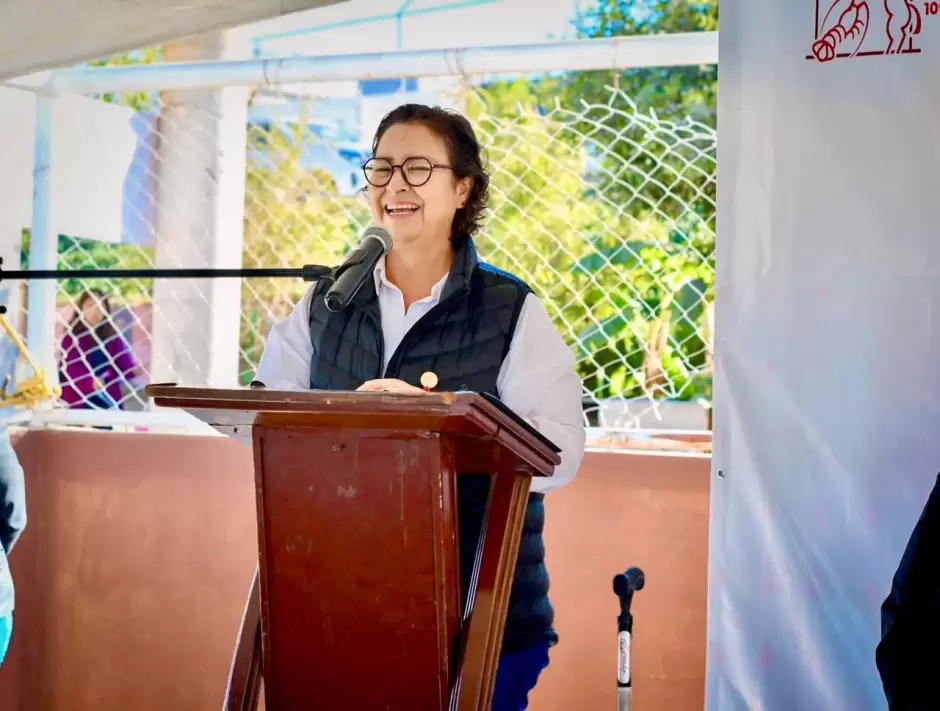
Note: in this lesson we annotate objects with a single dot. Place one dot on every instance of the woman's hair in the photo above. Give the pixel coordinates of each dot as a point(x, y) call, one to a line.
point(465, 157)
point(104, 331)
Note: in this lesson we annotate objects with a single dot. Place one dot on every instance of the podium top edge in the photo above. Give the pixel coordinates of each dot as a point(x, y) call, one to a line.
point(489, 415)
point(265, 398)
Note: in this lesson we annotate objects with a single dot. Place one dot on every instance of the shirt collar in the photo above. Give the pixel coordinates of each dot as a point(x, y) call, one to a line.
point(465, 263)
point(382, 282)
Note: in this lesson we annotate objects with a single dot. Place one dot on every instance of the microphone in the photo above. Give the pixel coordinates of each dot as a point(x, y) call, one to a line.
point(352, 274)
point(628, 583)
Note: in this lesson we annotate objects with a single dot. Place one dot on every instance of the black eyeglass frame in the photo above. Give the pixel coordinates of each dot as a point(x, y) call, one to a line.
point(401, 167)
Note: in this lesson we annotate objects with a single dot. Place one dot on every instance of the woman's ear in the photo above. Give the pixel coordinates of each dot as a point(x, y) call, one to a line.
point(464, 186)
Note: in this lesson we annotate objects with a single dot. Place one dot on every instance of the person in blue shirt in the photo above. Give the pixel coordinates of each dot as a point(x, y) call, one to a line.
point(12, 523)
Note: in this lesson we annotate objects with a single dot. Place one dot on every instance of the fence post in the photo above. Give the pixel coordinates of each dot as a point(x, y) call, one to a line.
point(200, 196)
point(43, 246)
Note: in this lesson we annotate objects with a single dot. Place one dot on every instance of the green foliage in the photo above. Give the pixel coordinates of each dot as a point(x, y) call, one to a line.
point(674, 93)
point(655, 279)
point(658, 170)
point(625, 264)
point(293, 216)
point(137, 100)
point(75, 253)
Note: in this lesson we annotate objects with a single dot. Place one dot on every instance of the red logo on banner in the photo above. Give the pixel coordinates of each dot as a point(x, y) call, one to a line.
point(866, 28)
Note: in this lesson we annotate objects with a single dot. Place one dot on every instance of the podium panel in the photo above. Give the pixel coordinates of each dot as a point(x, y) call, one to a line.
point(361, 599)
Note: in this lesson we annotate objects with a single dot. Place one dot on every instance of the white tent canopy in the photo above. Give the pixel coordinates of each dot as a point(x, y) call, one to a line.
point(44, 34)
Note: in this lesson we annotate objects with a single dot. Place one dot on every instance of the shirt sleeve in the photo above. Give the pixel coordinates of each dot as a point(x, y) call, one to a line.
point(538, 381)
point(76, 368)
point(285, 361)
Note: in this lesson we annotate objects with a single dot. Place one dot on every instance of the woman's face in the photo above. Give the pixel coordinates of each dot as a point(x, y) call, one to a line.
point(92, 310)
point(413, 213)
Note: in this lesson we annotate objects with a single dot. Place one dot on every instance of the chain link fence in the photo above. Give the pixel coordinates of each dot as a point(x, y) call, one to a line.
point(607, 211)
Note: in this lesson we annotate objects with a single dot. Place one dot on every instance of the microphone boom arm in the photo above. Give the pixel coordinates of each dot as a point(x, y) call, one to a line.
point(308, 272)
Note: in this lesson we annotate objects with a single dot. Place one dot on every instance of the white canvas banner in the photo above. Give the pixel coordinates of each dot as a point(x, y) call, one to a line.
point(827, 390)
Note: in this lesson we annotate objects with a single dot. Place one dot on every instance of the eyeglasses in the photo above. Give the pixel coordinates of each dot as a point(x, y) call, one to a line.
point(415, 171)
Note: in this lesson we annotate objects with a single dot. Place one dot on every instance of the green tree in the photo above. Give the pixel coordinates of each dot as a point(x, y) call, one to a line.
point(537, 215)
point(626, 285)
point(77, 253)
point(293, 216)
point(137, 100)
point(652, 133)
point(674, 93)
point(651, 165)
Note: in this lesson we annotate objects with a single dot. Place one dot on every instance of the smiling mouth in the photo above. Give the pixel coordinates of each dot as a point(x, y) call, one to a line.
point(401, 209)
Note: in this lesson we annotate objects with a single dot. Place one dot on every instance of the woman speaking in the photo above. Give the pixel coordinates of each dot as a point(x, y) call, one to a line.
point(434, 306)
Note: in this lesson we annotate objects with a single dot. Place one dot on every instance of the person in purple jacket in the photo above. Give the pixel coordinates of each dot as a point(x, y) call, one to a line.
point(96, 358)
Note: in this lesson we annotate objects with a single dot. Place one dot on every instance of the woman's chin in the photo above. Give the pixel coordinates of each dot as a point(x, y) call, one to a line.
point(403, 234)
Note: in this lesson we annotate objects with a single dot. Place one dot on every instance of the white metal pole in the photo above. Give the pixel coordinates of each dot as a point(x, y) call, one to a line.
point(667, 50)
point(43, 247)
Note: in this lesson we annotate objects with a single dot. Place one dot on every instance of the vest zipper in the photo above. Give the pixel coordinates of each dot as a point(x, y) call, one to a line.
point(392, 370)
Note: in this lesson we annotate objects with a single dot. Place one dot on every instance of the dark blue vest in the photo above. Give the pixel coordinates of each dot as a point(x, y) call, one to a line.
point(463, 340)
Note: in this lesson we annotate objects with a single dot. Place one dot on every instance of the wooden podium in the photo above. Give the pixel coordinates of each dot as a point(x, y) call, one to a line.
point(356, 600)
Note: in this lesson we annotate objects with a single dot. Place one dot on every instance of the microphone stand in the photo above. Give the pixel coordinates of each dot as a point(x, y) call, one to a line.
point(308, 272)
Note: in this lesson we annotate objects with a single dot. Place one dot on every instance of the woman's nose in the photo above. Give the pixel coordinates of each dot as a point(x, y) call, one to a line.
point(398, 183)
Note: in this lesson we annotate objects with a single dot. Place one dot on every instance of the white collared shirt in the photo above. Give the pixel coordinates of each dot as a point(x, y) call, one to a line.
point(537, 380)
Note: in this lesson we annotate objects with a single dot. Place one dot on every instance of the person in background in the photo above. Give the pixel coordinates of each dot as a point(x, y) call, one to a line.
point(97, 359)
point(434, 306)
point(12, 523)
